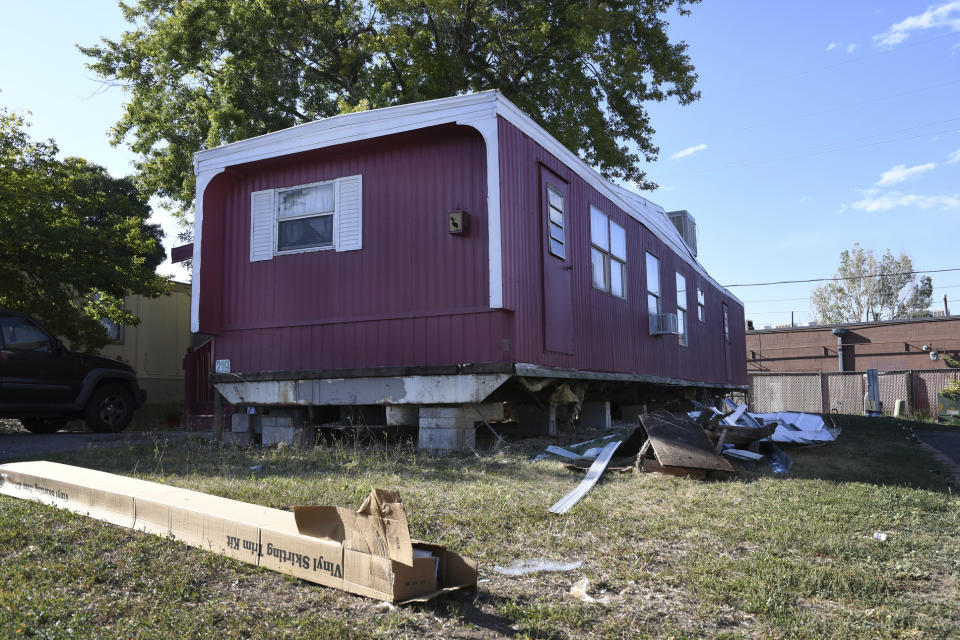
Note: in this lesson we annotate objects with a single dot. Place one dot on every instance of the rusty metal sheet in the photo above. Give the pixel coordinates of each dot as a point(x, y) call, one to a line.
point(680, 442)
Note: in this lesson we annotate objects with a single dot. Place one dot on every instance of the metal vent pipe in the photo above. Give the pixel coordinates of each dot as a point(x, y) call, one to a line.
point(840, 332)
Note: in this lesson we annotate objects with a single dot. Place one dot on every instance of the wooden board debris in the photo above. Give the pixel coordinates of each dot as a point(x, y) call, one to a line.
point(652, 466)
point(680, 442)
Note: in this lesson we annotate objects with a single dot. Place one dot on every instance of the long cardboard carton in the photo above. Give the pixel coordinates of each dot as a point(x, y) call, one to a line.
point(368, 552)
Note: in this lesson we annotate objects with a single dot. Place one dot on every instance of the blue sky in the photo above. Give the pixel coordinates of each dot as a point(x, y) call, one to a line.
point(821, 124)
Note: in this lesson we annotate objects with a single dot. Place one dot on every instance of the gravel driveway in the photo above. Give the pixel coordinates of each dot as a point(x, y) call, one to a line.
point(18, 444)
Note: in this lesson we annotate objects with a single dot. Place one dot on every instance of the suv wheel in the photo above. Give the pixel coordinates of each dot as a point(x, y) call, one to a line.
point(43, 425)
point(109, 410)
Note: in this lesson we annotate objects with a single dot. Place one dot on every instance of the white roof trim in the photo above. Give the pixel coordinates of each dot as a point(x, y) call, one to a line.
point(478, 110)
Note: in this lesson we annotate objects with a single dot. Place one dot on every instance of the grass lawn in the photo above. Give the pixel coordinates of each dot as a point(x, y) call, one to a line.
point(757, 556)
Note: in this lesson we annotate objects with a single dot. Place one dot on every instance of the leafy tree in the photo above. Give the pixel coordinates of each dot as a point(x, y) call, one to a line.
point(75, 240)
point(869, 289)
point(208, 72)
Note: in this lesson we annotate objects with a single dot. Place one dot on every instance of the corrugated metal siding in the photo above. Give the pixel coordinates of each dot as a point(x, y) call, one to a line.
point(328, 309)
point(610, 334)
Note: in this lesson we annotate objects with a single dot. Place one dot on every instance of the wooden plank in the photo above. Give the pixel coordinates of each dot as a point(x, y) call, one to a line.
point(593, 475)
point(680, 442)
point(652, 466)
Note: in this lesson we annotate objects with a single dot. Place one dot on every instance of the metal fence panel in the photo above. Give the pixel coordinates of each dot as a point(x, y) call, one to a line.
point(785, 392)
point(837, 392)
point(894, 385)
point(926, 385)
point(844, 392)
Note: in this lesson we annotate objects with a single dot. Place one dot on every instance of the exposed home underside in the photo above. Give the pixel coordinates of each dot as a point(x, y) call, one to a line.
point(447, 402)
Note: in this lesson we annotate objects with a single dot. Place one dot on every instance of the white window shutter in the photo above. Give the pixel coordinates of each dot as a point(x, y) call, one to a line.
point(348, 223)
point(261, 225)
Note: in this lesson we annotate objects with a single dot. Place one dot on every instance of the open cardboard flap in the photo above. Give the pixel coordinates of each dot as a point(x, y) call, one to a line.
point(379, 527)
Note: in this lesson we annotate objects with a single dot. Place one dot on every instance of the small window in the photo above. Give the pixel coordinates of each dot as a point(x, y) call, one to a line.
point(20, 334)
point(701, 307)
point(556, 223)
point(608, 254)
point(305, 217)
point(653, 285)
point(682, 309)
point(726, 323)
point(114, 330)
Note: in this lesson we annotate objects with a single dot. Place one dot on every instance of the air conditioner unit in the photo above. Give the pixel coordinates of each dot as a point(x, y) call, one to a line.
point(687, 226)
point(663, 323)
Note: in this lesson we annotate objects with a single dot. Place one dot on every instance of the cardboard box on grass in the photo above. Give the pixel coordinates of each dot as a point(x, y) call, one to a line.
point(368, 552)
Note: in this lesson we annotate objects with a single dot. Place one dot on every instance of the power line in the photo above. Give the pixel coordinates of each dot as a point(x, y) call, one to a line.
point(935, 287)
point(776, 300)
point(801, 154)
point(848, 105)
point(846, 62)
point(834, 279)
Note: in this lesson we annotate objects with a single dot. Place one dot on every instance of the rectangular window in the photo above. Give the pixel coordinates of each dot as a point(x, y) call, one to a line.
point(653, 285)
point(557, 234)
point(608, 254)
point(114, 330)
point(726, 323)
point(682, 309)
point(20, 334)
point(701, 307)
point(305, 217)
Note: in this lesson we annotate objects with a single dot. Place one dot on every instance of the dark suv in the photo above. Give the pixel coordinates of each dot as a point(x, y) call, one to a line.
point(44, 385)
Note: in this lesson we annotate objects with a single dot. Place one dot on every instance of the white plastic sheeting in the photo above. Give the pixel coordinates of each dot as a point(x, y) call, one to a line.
point(798, 428)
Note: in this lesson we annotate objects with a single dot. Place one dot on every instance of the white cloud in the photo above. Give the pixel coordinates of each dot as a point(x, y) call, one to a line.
point(942, 15)
point(902, 172)
point(689, 151)
point(894, 199)
point(832, 45)
point(851, 47)
point(954, 157)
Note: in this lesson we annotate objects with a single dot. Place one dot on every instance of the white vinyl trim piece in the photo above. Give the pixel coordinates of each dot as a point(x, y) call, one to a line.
point(490, 130)
point(596, 470)
point(203, 179)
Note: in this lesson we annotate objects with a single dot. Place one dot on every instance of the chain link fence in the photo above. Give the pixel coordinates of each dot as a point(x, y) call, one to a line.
point(843, 392)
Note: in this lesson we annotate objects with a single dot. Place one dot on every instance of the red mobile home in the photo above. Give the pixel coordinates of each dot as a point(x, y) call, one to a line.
point(449, 252)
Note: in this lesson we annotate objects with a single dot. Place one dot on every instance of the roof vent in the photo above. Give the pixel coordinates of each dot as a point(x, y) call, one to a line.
point(686, 226)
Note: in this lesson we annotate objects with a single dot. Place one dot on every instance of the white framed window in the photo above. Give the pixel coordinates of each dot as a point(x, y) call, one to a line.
point(608, 254)
point(114, 330)
point(306, 217)
point(557, 225)
point(701, 306)
point(653, 284)
point(726, 322)
point(682, 310)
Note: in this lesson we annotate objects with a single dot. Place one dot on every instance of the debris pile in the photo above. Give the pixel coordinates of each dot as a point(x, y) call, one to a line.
point(738, 426)
point(696, 444)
